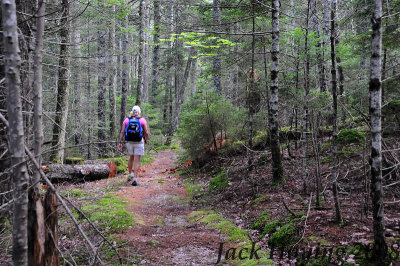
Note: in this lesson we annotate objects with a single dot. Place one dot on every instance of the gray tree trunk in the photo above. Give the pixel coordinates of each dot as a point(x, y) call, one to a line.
point(339, 218)
point(76, 79)
point(58, 142)
point(12, 64)
point(36, 233)
point(320, 59)
point(142, 88)
point(155, 76)
point(278, 174)
point(112, 84)
point(375, 102)
point(101, 89)
point(217, 58)
point(124, 74)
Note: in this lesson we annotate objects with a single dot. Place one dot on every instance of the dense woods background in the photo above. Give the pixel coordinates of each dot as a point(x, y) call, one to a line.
point(282, 77)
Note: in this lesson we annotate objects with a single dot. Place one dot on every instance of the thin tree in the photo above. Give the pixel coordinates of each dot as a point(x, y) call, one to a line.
point(375, 102)
point(155, 76)
point(12, 64)
point(338, 213)
point(58, 141)
point(124, 74)
point(101, 88)
point(278, 174)
point(112, 83)
point(36, 233)
point(217, 58)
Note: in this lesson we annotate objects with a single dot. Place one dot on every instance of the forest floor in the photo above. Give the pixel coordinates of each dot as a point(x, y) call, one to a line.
point(162, 234)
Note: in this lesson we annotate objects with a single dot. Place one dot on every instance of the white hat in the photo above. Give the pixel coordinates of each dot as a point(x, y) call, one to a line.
point(136, 109)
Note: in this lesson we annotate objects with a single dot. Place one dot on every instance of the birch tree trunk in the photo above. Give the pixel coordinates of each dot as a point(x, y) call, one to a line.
point(339, 218)
point(278, 174)
point(101, 89)
point(217, 58)
point(375, 102)
point(12, 64)
point(36, 233)
point(58, 142)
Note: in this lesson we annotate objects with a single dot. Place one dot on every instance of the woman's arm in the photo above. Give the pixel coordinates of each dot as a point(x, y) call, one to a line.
point(146, 133)
point(121, 135)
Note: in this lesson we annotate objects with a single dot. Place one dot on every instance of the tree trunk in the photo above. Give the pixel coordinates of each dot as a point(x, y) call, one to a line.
point(304, 133)
point(58, 142)
point(77, 88)
point(217, 58)
point(375, 98)
point(51, 203)
point(36, 233)
point(155, 76)
point(12, 64)
point(278, 174)
point(339, 218)
point(79, 173)
point(143, 62)
point(112, 84)
point(101, 90)
point(124, 85)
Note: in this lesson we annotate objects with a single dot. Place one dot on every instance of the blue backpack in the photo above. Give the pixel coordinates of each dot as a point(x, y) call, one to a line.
point(133, 130)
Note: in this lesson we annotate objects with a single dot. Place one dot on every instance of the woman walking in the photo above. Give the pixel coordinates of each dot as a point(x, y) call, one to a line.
point(136, 134)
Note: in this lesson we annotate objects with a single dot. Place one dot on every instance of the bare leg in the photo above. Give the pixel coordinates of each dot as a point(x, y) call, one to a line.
point(130, 163)
point(136, 165)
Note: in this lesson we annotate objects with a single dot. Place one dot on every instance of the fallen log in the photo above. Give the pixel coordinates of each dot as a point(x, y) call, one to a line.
point(80, 173)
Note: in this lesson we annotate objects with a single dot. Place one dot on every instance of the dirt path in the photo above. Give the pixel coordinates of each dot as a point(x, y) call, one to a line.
point(162, 234)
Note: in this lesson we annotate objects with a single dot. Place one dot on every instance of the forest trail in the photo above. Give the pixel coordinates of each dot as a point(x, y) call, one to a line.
point(160, 205)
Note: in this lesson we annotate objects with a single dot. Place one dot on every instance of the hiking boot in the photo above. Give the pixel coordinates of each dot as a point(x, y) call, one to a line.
point(134, 182)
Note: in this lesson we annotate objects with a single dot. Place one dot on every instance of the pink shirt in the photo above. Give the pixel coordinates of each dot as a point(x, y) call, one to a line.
point(142, 121)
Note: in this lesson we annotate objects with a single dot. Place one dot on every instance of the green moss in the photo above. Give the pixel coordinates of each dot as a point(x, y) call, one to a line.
point(284, 236)
point(121, 162)
point(74, 192)
point(192, 188)
point(347, 136)
point(229, 149)
point(219, 182)
point(261, 221)
point(74, 160)
point(260, 139)
point(110, 213)
point(270, 227)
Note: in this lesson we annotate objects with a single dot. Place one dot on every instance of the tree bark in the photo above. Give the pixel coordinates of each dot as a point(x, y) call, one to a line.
point(58, 142)
point(155, 77)
point(339, 218)
point(217, 58)
point(51, 203)
point(142, 87)
point(112, 84)
point(101, 90)
point(277, 170)
point(36, 233)
point(375, 104)
point(12, 65)
point(124, 85)
point(79, 173)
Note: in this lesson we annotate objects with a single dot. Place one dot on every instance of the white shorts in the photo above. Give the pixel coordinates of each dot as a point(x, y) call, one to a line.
point(135, 148)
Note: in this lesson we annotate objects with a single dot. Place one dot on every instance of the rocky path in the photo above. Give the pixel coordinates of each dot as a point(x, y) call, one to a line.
point(162, 235)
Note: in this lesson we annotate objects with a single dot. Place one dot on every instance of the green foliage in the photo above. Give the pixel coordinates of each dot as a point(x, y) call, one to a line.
point(205, 115)
point(347, 136)
point(261, 221)
point(110, 213)
point(192, 188)
point(219, 182)
point(270, 227)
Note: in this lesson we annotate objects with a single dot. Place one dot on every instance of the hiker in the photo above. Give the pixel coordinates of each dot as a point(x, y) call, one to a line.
point(136, 133)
